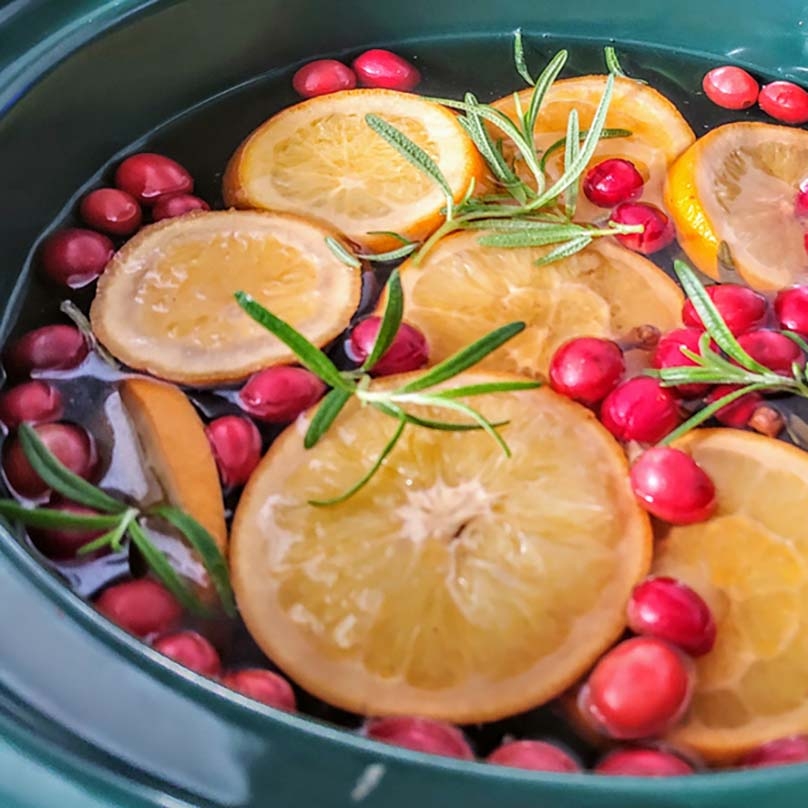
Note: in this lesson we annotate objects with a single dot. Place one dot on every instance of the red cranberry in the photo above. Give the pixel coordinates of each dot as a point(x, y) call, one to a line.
point(72, 445)
point(643, 763)
point(168, 207)
point(740, 307)
point(535, 755)
point(111, 211)
point(192, 650)
point(74, 257)
point(781, 752)
point(668, 354)
point(785, 102)
point(738, 413)
point(35, 402)
point(63, 543)
point(658, 232)
point(381, 68)
point(236, 445)
point(279, 394)
point(408, 351)
point(772, 349)
point(52, 347)
point(143, 606)
point(265, 686)
point(671, 486)
point(323, 77)
point(640, 409)
point(731, 87)
point(670, 610)
point(801, 201)
point(586, 369)
point(791, 308)
point(147, 177)
point(420, 735)
point(638, 689)
point(611, 182)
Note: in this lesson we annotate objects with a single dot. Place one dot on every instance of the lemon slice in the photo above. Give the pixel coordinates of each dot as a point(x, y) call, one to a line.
point(165, 304)
point(458, 584)
point(750, 563)
point(737, 184)
point(461, 290)
point(321, 158)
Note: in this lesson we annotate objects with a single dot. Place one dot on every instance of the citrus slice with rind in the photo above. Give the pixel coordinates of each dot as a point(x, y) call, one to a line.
point(321, 158)
point(737, 185)
point(461, 290)
point(165, 303)
point(458, 584)
point(659, 133)
point(750, 563)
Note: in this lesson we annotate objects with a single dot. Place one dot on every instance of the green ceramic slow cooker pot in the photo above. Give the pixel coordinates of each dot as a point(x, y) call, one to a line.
point(89, 717)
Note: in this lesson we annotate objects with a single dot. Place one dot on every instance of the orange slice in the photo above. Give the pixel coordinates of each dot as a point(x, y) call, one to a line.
point(321, 158)
point(165, 304)
point(461, 290)
point(750, 562)
point(737, 184)
point(458, 584)
point(659, 132)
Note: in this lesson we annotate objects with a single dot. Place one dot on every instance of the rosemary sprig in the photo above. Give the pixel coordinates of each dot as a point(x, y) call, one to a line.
point(425, 390)
point(120, 520)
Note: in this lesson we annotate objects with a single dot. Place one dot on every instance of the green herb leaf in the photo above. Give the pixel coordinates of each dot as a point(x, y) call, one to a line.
point(330, 407)
point(60, 478)
point(606, 134)
point(391, 255)
point(309, 355)
point(342, 253)
point(543, 84)
point(105, 540)
point(485, 388)
point(612, 62)
point(519, 60)
point(391, 321)
point(536, 237)
point(574, 245)
point(50, 518)
point(427, 423)
point(571, 151)
point(392, 234)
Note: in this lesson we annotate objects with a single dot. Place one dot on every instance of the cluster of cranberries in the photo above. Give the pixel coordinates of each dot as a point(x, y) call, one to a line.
point(733, 88)
point(374, 68)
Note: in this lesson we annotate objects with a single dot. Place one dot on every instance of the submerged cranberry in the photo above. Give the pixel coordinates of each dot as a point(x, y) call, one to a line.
point(111, 211)
point(169, 207)
point(738, 413)
point(265, 686)
point(192, 650)
point(638, 762)
point(741, 308)
point(731, 87)
point(408, 351)
point(785, 101)
point(382, 68)
point(781, 752)
point(323, 77)
point(640, 409)
point(670, 610)
point(143, 607)
point(63, 543)
point(611, 182)
point(236, 445)
point(668, 354)
point(72, 445)
point(658, 231)
point(534, 755)
point(278, 395)
point(672, 486)
point(791, 309)
point(147, 177)
point(586, 369)
point(74, 257)
point(52, 347)
point(638, 689)
point(36, 402)
point(772, 349)
point(420, 735)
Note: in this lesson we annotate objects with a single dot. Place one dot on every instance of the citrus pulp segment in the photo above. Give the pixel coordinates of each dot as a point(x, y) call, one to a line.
point(166, 304)
point(458, 584)
point(321, 158)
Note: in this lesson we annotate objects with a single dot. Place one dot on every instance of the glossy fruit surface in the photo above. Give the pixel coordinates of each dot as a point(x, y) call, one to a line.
point(534, 755)
point(142, 606)
point(791, 309)
point(279, 394)
point(731, 87)
point(112, 211)
point(738, 413)
point(640, 409)
point(420, 735)
point(669, 354)
point(785, 101)
point(612, 181)
point(236, 445)
point(773, 350)
point(167, 207)
point(382, 68)
point(51, 347)
point(74, 257)
point(148, 176)
point(781, 752)
point(63, 543)
point(191, 650)
point(657, 231)
point(587, 369)
point(265, 686)
point(36, 402)
point(639, 762)
point(741, 308)
point(409, 350)
point(322, 77)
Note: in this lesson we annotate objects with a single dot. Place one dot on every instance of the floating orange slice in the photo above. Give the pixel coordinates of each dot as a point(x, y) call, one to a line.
point(166, 305)
point(750, 562)
point(458, 584)
point(461, 290)
point(737, 184)
point(321, 158)
point(659, 133)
